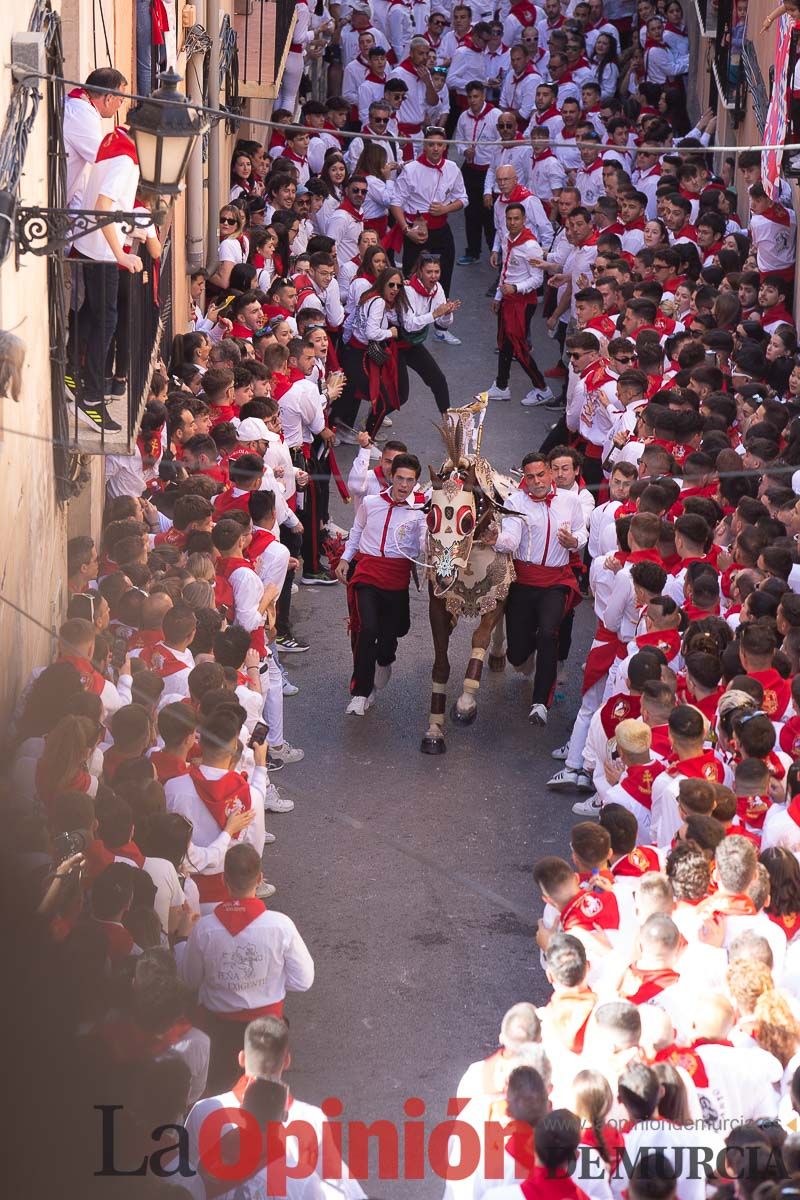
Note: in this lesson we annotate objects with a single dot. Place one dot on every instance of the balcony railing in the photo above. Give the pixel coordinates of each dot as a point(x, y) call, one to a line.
point(727, 64)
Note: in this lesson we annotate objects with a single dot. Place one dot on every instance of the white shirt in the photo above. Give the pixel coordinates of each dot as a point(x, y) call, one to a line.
point(518, 269)
point(535, 220)
point(532, 536)
point(774, 243)
point(371, 320)
point(420, 186)
point(419, 314)
point(385, 529)
point(302, 413)
point(412, 110)
point(117, 179)
point(252, 969)
point(510, 154)
point(209, 845)
point(345, 230)
point(352, 79)
point(589, 182)
point(476, 129)
point(518, 94)
point(466, 64)
point(545, 175)
point(83, 133)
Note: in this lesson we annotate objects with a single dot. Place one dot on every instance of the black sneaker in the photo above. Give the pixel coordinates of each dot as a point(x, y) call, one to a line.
point(274, 764)
point(116, 388)
point(290, 644)
point(96, 414)
point(556, 404)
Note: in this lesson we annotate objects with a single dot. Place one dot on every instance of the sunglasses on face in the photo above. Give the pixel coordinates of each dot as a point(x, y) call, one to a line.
point(380, 120)
point(228, 221)
point(434, 131)
point(357, 191)
point(620, 358)
point(393, 286)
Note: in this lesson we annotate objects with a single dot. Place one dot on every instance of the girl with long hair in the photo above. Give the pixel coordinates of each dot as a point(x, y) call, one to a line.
point(263, 244)
point(370, 360)
point(592, 1101)
point(64, 765)
point(189, 349)
point(242, 181)
point(285, 226)
point(334, 176)
point(374, 166)
point(604, 66)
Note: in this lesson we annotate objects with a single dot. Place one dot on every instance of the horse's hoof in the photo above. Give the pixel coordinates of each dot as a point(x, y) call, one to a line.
point(463, 718)
point(433, 745)
point(497, 662)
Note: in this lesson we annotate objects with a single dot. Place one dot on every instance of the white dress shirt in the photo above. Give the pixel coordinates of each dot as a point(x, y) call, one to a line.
point(533, 535)
point(386, 529)
point(302, 413)
point(420, 186)
point(345, 229)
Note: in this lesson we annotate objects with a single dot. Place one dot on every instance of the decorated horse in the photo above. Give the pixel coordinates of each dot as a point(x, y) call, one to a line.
point(466, 576)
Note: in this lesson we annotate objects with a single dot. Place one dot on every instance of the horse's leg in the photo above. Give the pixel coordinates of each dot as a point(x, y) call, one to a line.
point(466, 707)
point(441, 627)
point(497, 653)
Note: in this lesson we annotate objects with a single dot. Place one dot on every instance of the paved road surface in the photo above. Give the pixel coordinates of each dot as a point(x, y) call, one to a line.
point(410, 876)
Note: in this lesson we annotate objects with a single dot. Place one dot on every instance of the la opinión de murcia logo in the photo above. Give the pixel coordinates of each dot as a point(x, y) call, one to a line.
point(233, 1146)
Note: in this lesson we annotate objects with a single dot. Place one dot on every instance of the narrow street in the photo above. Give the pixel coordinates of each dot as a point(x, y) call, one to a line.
point(410, 876)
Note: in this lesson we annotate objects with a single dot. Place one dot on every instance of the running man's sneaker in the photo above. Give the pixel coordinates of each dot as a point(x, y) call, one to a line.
point(537, 396)
point(96, 414)
point(275, 802)
point(290, 644)
point(444, 335)
point(388, 422)
point(359, 704)
point(319, 578)
point(498, 393)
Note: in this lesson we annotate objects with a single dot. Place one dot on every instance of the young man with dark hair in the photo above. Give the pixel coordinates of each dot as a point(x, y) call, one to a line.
point(387, 536)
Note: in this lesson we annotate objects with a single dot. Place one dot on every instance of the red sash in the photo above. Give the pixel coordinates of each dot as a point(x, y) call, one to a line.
point(685, 1058)
point(168, 766)
point(391, 574)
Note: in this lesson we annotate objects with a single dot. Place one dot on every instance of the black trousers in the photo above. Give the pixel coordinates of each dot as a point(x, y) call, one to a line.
point(345, 409)
point(440, 241)
point(528, 363)
point(420, 360)
point(314, 513)
point(533, 620)
point(294, 543)
point(558, 436)
point(384, 617)
point(97, 321)
point(477, 219)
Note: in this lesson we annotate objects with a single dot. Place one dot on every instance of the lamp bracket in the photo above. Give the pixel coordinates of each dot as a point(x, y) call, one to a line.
point(46, 231)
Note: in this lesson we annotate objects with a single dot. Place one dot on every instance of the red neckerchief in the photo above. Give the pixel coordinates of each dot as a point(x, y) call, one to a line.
point(640, 860)
point(426, 162)
point(224, 796)
point(523, 236)
point(519, 1145)
point(702, 766)
point(163, 660)
point(527, 70)
point(638, 781)
point(91, 679)
point(371, 77)
point(651, 555)
point(567, 1015)
point(261, 539)
point(728, 906)
point(416, 285)
point(144, 638)
point(527, 14)
point(117, 144)
point(639, 986)
point(235, 915)
point(591, 909)
point(777, 214)
point(168, 766)
point(671, 27)
point(777, 692)
point(685, 1057)
point(788, 922)
point(129, 850)
point(226, 566)
point(516, 196)
point(775, 766)
point(776, 313)
point(287, 152)
point(487, 108)
point(597, 165)
point(618, 708)
point(347, 206)
point(751, 811)
point(666, 640)
point(548, 153)
point(789, 737)
point(687, 231)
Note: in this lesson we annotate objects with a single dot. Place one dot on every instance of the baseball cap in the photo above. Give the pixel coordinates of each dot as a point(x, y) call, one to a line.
point(252, 429)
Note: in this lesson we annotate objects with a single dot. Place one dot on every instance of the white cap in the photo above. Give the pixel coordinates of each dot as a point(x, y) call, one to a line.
point(252, 429)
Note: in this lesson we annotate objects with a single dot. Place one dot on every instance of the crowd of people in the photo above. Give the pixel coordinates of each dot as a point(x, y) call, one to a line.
point(666, 1059)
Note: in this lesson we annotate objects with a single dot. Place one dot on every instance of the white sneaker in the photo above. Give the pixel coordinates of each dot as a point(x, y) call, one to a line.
point(538, 714)
point(444, 335)
point(498, 393)
point(382, 676)
point(561, 752)
point(288, 688)
point(565, 780)
point(536, 397)
point(269, 838)
point(265, 890)
point(388, 422)
point(590, 807)
point(295, 590)
point(286, 753)
point(359, 705)
point(275, 802)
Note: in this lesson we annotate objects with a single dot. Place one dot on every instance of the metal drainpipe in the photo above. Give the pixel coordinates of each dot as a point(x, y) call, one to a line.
point(212, 26)
point(195, 258)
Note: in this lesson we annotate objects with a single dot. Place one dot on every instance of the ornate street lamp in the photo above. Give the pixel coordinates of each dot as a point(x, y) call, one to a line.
point(165, 131)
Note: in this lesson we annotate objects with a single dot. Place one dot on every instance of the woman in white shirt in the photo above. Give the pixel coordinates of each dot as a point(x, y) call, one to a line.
point(165, 840)
point(334, 176)
point(373, 335)
point(604, 65)
point(374, 262)
point(263, 244)
point(234, 245)
point(242, 183)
